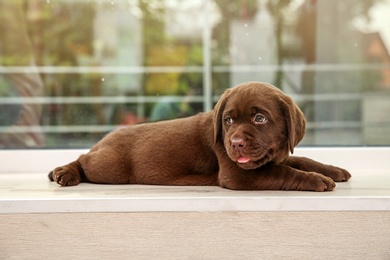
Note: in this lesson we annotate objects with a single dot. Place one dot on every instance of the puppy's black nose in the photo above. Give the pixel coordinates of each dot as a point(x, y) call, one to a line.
point(238, 142)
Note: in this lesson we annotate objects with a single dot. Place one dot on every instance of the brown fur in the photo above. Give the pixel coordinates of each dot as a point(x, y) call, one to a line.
point(244, 144)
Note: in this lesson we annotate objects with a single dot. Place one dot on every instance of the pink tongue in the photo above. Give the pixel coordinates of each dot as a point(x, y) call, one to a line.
point(243, 159)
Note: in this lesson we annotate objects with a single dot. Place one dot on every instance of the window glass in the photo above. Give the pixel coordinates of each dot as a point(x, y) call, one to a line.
point(71, 71)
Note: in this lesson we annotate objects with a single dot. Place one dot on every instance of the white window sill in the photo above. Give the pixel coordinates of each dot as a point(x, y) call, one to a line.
point(24, 188)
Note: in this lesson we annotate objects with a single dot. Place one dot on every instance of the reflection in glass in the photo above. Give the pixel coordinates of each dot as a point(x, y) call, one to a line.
point(70, 71)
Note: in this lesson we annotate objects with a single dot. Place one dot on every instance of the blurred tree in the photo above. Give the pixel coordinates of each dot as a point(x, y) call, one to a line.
point(230, 11)
point(276, 9)
point(16, 50)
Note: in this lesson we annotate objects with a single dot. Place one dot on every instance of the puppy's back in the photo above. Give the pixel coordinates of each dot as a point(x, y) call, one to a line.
point(156, 153)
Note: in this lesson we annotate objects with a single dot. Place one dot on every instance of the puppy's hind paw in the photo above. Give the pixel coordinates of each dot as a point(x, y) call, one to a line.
point(64, 176)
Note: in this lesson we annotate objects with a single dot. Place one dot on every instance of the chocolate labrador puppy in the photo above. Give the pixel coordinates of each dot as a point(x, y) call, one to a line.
point(243, 144)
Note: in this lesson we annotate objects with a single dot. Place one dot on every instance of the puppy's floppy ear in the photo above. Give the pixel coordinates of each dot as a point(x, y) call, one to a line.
point(217, 117)
point(295, 121)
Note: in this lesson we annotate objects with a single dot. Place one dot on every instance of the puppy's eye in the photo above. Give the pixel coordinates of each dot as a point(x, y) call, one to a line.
point(259, 119)
point(229, 120)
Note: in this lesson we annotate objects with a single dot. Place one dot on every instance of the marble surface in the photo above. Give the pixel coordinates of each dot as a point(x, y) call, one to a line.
point(33, 193)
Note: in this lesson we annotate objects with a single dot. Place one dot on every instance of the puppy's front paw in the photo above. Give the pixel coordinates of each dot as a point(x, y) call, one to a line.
point(336, 173)
point(319, 182)
point(64, 176)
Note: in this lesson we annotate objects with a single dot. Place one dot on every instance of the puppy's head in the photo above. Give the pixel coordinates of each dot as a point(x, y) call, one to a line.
point(257, 123)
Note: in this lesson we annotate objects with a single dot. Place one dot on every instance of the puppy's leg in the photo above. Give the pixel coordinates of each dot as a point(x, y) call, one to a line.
point(274, 177)
point(68, 175)
point(306, 164)
point(104, 166)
